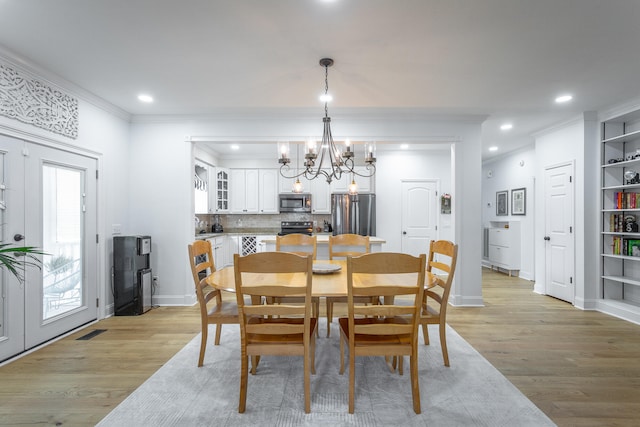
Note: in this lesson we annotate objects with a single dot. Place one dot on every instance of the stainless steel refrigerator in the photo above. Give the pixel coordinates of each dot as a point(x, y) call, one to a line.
point(355, 214)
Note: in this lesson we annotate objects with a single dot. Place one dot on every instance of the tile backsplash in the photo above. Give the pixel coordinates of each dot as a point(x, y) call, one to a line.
point(203, 222)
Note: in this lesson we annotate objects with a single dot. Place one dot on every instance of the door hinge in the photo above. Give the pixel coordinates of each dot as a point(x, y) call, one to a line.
point(436, 228)
point(97, 238)
point(570, 229)
point(570, 178)
point(96, 173)
point(97, 302)
point(570, 279)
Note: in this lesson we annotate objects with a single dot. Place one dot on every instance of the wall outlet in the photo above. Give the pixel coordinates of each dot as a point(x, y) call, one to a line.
point(116, 229)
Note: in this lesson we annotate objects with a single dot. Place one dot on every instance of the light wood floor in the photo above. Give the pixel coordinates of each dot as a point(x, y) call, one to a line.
point(580, 368)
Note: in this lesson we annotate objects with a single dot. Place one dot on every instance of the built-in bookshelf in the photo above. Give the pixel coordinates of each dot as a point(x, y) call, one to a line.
point(619, 293)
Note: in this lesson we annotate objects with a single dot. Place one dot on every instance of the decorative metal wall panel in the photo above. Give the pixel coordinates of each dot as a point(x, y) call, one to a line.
point(33, 102)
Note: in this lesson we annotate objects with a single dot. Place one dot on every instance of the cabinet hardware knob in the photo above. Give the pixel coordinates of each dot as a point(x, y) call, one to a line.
point(547, 238)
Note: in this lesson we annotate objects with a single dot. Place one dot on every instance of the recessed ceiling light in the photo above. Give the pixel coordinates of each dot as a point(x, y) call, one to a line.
point(506, 126)
point(145, 98)
point(235, 147)
point(494, 148)
point(563, 98)
point(404, 146)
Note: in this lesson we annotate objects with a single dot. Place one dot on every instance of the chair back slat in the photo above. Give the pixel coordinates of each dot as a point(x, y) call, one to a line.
point(275, 328)
point(383, 310)
point(299, 244)
point(384, 329)
point(273, 310)
point(361, 244)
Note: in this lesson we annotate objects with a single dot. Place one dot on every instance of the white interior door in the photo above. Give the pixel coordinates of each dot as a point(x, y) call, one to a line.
point(419, 227)
point(559, 241)
point(50, 204)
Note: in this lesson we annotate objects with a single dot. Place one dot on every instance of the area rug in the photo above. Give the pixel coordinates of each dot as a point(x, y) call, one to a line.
point(469, 393)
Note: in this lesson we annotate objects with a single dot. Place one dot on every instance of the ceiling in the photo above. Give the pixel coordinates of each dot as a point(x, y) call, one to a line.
point(507, 59)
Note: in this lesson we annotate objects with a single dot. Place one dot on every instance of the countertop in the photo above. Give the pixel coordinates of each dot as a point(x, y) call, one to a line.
point(323, 238)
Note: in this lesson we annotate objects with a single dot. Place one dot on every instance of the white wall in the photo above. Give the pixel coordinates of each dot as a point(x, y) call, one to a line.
point(161, 200)
point(392, 168)
point(103, 134)
point(566, 144)
point(514, 170)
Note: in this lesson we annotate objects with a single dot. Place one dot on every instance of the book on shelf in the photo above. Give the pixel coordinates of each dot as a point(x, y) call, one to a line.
point(623, 246)
point(622, 200)
point(633, 247)
point(621, 223)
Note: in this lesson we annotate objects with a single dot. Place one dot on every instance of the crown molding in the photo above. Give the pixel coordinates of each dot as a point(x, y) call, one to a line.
point(629, 107)
point(33, 70)
point(362, 114)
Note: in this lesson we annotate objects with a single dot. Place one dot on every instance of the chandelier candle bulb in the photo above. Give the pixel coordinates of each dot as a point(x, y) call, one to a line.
point(283, 150)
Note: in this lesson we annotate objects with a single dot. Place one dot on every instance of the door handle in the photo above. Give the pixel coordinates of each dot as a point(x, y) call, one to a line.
point(547, 238)
point(18, 237)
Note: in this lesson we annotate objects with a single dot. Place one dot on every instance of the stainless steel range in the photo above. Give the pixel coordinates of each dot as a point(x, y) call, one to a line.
point(292, 227)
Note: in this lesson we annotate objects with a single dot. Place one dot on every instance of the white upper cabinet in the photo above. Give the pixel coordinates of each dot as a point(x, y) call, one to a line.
point(365, 184)
point(285, 185)
point(320, 195)
point(243, 191)
point(268, 197)
point(221, 190)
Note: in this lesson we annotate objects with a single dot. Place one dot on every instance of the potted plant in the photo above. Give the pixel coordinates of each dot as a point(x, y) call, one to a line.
point(16, 258)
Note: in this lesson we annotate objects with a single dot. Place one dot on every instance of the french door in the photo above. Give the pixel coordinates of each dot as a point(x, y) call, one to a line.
point(47, 200)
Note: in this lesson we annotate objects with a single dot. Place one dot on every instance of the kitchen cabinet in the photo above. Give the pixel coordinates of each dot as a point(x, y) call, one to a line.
point(320, 195)
point(285, 185)
point(221, 192)
point(365, 184)
point(268, 194)
point(243, 191)
point(261, 245)
point(218, 248)
point(504, 245)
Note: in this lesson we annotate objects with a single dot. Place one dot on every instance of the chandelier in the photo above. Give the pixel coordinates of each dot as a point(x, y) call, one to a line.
point(330, 160)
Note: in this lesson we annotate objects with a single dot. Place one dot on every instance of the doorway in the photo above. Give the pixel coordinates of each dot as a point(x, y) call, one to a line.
point(419, 219)
point(48, 201)
point(559, 236)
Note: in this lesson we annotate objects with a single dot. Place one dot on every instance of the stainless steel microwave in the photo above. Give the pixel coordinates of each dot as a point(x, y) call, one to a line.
point(295, 202)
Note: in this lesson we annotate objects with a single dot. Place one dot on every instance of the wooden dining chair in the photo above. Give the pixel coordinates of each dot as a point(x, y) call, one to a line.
point(213, 310)
point(268, 329)
point(384, 329)
point(300, 244)
point(443, 255)
point(338, 246)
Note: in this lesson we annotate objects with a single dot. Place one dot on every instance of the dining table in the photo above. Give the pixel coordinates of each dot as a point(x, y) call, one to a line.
point(329, 279)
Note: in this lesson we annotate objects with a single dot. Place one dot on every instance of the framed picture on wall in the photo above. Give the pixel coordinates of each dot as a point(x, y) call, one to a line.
point(519, 201)
point(502, 204)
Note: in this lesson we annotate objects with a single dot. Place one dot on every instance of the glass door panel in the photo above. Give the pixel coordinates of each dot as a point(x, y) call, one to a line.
point(62, 195)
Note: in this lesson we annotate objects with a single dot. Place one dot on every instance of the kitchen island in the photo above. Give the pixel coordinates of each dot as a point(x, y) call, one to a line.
point(323, 244)
point(249, 240)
